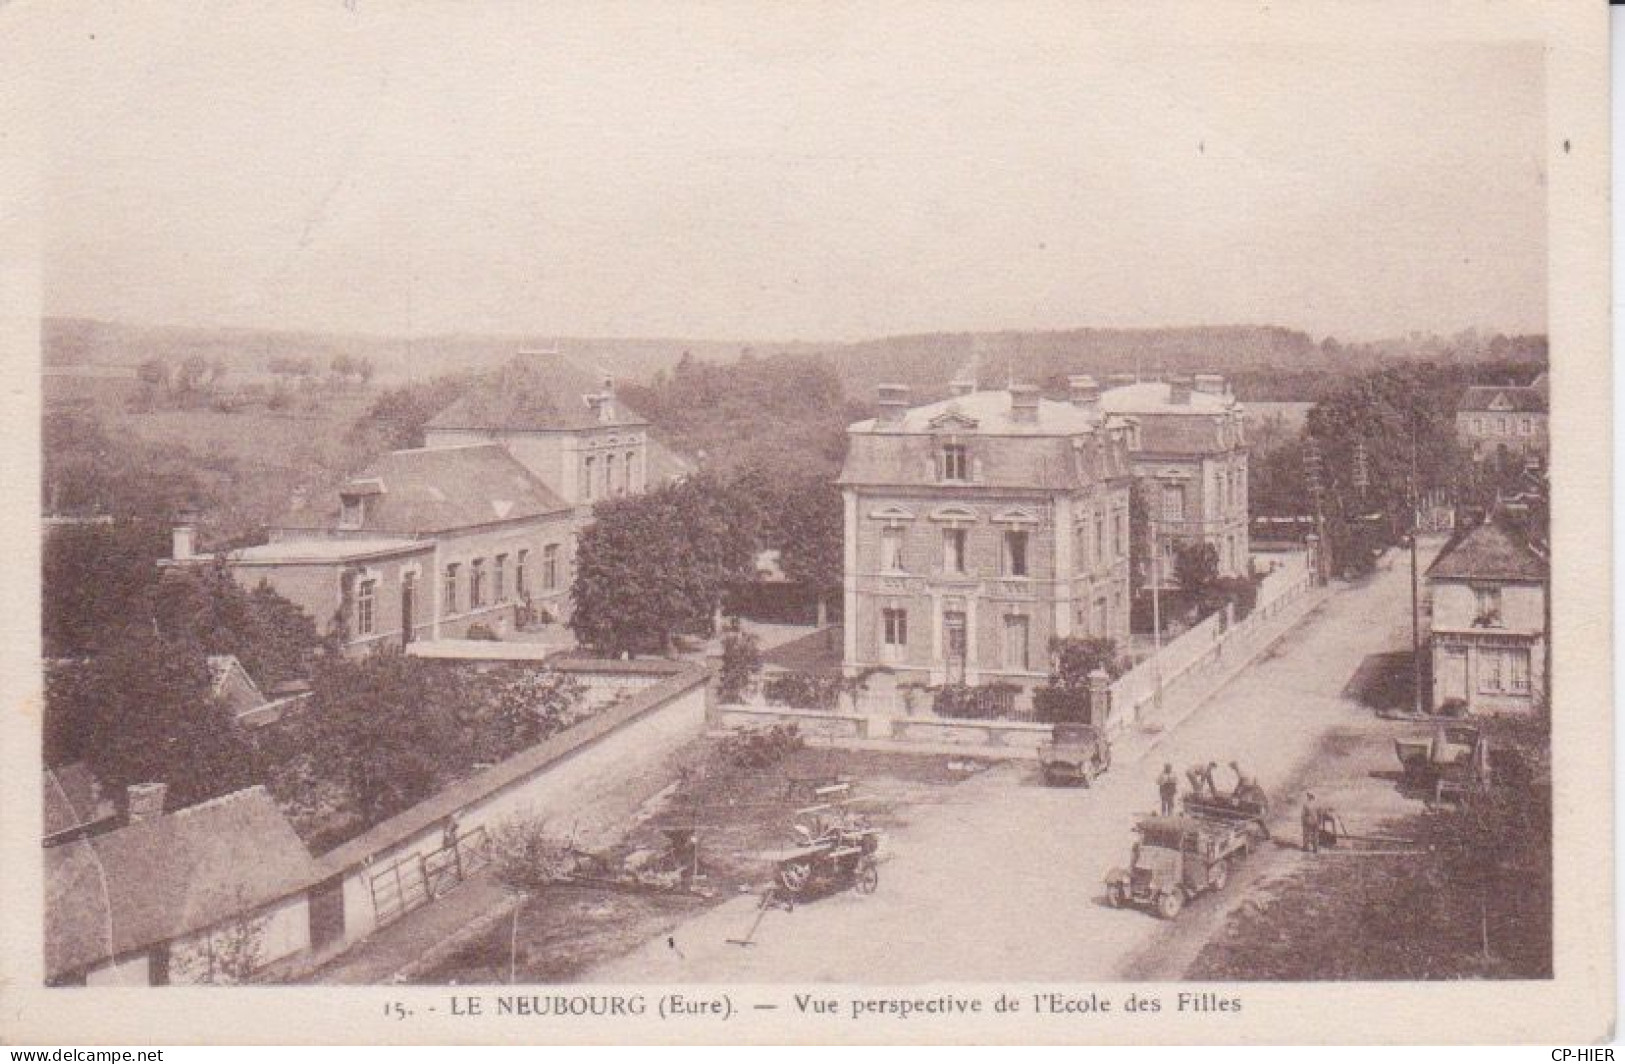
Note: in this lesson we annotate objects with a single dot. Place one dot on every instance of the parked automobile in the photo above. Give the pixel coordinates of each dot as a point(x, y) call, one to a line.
point(1175, 859)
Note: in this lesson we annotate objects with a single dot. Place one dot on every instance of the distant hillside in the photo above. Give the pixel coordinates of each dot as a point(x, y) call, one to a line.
point(1266, 362)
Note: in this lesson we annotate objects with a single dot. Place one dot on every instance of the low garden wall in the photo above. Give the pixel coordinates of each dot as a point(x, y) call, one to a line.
point(1011, 738)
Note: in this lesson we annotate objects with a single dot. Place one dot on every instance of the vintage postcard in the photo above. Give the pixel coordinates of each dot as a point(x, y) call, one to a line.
point(722, 522)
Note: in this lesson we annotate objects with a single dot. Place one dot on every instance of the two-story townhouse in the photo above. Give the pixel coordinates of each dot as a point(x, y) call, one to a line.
point(1494, 422)
point(1192, 459)
point(1489, 616)
point(979, 527)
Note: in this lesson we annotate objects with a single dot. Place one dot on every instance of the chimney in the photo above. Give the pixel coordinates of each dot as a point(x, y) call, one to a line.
point(1084, 390)
point(144, 801)
point(1024, 404)
point(183, 536)
point(893, 400)
point(1179, 391)
point(602, 405)
point(1210, 383)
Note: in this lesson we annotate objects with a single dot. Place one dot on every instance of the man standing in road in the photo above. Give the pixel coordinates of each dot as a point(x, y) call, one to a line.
point(1310, 819)
point(1168, 789)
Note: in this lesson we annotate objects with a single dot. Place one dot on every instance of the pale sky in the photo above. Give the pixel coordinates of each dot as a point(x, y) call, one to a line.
point(776, 172)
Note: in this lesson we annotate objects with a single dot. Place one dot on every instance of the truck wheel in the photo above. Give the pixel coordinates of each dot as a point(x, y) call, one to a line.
point(1170, 905)
point(793, 877)
point(868, 877)
point(1114, 895)
point(1218, 875)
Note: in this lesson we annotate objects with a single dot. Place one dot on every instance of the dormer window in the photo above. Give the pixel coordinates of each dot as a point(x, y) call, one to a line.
point(354, 512)
point(955, 462)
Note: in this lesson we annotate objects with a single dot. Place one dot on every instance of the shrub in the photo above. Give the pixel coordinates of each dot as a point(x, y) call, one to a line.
point(803, 690)
point(761, 747)
point(741, 664)
point(992, 701)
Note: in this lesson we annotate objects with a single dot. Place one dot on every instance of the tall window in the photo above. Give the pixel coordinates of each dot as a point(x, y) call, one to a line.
point(1173, 502)
point(1100, 538)
point(365, 597)
point(499, 579)
point(891, 549)
point(1488, 602)
point(1517, 670)
point(953, 550)
point(894, 632)
point(1015, 552)
point(610, 487)
point(550, 567)
point(588, 468)
point(955, 462)
point(521, 575)
point(448, 604)
point(1101, 627)
point(626, 470)
point(1016, 650)
point(476, 583)
point(1120, 535)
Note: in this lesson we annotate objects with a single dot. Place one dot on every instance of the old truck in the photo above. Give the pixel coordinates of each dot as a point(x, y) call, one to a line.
point(1175, 859)
point(1074, 754)
point(1448, 764)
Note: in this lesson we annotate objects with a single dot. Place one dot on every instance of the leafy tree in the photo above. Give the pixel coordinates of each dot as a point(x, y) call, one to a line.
point(654, 566)
point(807, 529)
point(1139, 537)
point(1064, 697)
point(1196, 568)
point(381, 725)
point(273, 638)
point(142, 711)
point(94, 582)
point(398, 416)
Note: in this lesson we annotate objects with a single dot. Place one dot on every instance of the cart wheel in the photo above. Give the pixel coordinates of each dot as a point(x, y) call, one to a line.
point(1170, 904)
point(1114, 895)
point(793, 876)
point(868, 877)
point(1218, 876)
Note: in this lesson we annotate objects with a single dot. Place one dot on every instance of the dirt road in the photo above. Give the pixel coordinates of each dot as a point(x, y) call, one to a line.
point(1002, 878)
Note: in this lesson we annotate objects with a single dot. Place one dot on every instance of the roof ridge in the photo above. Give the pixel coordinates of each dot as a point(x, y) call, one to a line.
point(221, 799)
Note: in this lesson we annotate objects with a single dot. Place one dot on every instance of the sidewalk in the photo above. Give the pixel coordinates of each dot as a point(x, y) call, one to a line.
point(1156, 722)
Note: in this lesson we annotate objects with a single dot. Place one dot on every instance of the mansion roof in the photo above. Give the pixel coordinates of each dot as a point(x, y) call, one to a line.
point(1156, 397)
point(989, 414)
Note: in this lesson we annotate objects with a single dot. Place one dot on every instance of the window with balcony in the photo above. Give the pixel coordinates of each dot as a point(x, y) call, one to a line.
point(1015, 552)
point(894, 632)
point(955, 462)
point(953, 550)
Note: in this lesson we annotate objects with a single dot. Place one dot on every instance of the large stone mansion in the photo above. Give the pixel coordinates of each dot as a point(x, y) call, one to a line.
point(980, 526)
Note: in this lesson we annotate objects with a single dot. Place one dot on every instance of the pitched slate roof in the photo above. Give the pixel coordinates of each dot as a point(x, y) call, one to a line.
point(155, 880)
point(1156, 397)
point(73, 798)
point(1494, 549)
point(233, 686)
point(1516, 399)
point(534, 392)
point(438, 489)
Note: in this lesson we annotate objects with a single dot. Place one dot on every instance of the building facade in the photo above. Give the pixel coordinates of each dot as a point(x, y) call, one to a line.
point(1488, 637)
point(1503, 421)
point(1191, 460)
point(979, 527)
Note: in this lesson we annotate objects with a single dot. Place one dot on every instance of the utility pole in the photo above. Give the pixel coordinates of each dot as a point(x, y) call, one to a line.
point(1156, 606)
point(1416, 600)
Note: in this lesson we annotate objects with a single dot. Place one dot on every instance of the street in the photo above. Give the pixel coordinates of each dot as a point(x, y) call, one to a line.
point(1002, 879)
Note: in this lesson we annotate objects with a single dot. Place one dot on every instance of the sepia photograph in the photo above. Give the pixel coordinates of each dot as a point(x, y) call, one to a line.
point(568, 499)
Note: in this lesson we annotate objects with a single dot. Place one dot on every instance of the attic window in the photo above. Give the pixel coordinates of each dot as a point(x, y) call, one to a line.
point(955, 462)
point(354, 512)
